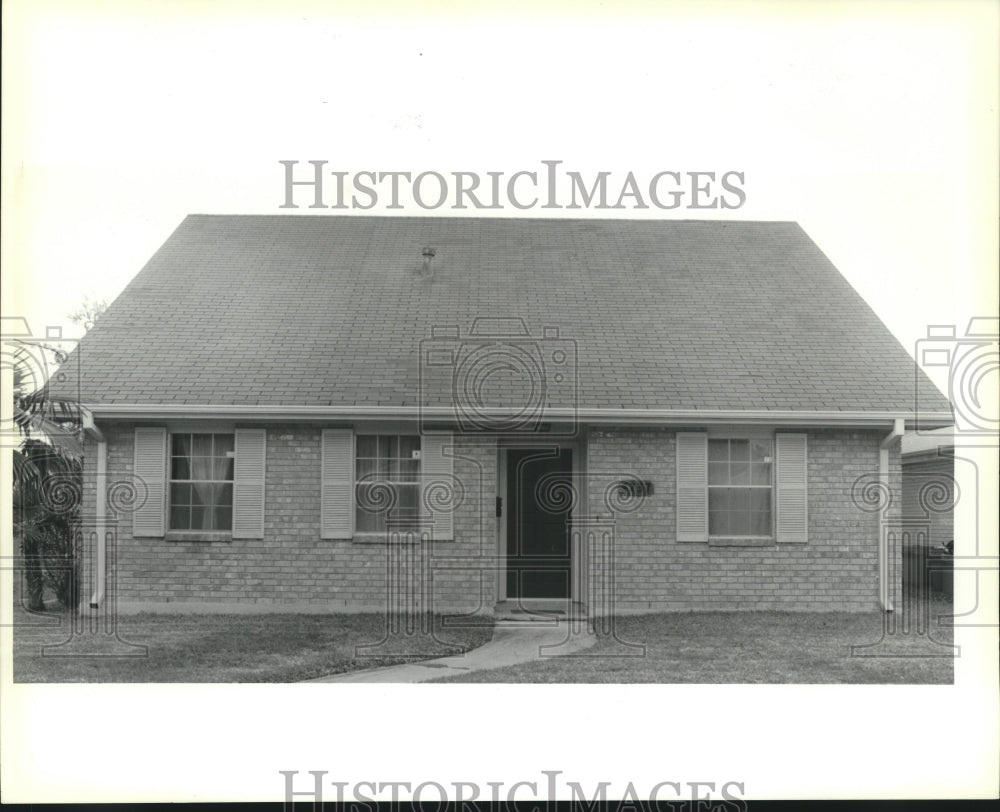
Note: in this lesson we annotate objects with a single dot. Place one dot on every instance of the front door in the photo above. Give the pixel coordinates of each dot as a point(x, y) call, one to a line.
point(539, 485)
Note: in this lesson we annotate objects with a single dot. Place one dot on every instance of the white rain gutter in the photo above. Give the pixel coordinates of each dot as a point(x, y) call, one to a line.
point(101, 564)
point(649, 417)
point(884, 587)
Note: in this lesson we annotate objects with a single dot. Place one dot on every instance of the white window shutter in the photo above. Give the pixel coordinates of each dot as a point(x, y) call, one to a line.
point(438, 491)
point(337, 484)
point(792, 520)
point(692, 486)
point(150, 471)
point(248, 484)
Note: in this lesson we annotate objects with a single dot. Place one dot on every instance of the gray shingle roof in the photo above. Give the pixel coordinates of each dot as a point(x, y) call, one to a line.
point(333, 310)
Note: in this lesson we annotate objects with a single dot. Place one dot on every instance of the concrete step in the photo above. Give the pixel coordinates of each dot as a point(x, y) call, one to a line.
point(538, 611)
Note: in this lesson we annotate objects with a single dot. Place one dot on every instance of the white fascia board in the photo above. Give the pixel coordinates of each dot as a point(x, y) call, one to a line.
point(645, 417)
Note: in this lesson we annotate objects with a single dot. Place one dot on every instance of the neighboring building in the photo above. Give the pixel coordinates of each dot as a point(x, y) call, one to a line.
point(929, 483)
point(928, 509)
point(346, 413)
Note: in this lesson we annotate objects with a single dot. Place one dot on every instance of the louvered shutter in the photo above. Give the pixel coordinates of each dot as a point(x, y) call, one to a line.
point(150, 471)
point(248, 484)
point(692, 486)
point(437, 472)
point(337, 484)
point(791, 521)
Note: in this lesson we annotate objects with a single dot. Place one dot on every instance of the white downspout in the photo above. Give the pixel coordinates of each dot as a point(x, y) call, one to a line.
point(100, 566)
point(884, 587)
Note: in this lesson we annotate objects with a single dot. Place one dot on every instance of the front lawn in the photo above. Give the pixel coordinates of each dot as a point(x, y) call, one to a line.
point(712, 647)
point(226, 648)
point(747, 647)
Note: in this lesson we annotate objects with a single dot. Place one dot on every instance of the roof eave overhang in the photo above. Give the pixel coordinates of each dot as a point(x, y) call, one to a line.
point(942, 452)
point(590, 416)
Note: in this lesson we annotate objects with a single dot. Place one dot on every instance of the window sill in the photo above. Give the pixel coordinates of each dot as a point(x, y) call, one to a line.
point(410, 537)
point(180, 535)
point(741, 542)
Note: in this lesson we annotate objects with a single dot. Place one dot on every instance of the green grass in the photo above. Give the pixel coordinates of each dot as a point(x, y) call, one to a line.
point(753, 647)
point(226, 648)
point(712, 647)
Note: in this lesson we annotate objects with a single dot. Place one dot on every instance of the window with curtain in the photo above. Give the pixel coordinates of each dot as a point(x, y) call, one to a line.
point(387, 483)
point(740, 487)
point(201, 481)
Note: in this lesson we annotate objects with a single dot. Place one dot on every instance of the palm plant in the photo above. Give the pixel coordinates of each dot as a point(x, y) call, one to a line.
point(47, 474)
point(47, 486)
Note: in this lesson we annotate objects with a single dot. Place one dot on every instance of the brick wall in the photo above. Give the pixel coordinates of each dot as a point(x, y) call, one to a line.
point(836, 570)
point(292, 567)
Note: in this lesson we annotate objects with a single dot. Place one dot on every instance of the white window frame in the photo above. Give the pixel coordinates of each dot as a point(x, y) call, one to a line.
point(414, 526)
point(750, 435)
point(170, 481)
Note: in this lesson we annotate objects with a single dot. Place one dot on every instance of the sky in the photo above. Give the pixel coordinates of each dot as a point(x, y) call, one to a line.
point(873, 125)
point(870, 127)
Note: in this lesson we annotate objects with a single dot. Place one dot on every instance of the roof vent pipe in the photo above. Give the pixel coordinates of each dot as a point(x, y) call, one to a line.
point(427, 271)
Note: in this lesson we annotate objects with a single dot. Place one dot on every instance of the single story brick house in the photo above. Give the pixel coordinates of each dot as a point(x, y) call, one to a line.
point(347, 413)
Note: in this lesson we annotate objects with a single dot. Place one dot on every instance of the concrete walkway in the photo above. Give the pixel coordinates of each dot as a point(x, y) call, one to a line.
point(512, 643)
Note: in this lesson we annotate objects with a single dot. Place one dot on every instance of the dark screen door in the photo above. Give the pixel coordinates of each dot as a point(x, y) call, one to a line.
point(538, 512)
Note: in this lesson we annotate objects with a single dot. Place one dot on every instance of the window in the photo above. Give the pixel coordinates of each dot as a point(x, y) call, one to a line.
point(387, 483)
point(753, 487)
point(740, 487)
point(201, 481)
